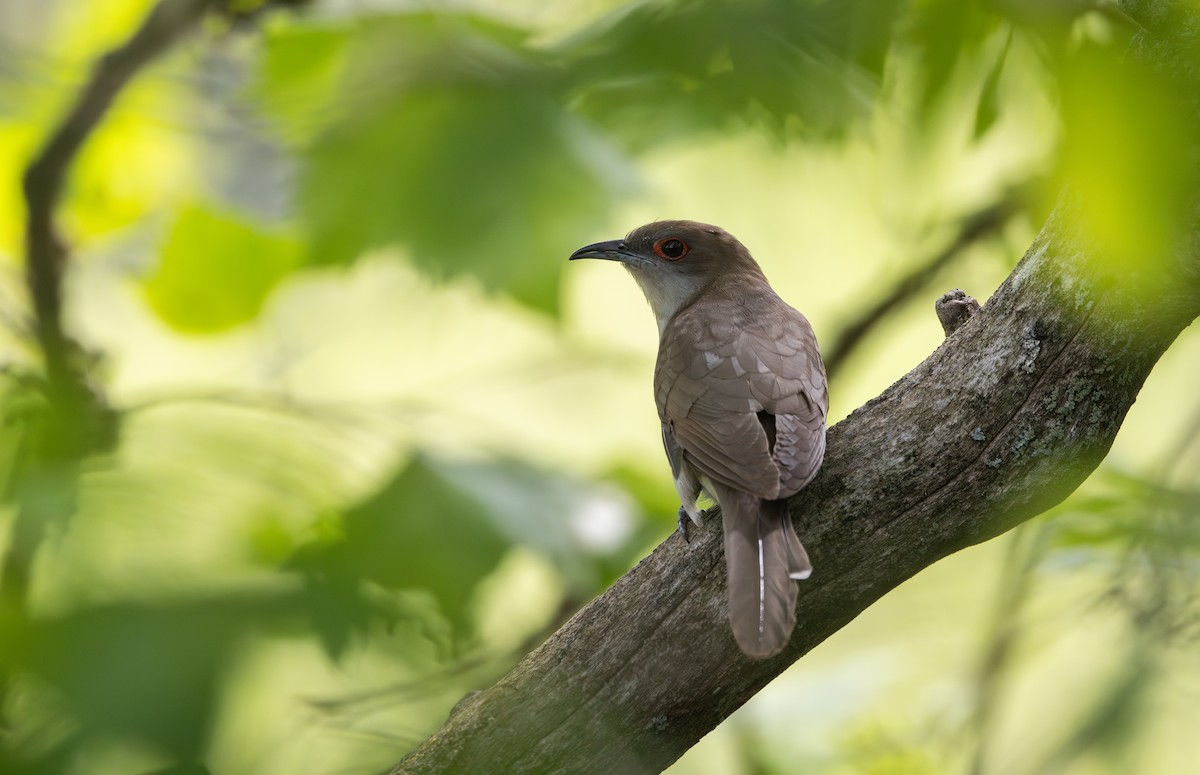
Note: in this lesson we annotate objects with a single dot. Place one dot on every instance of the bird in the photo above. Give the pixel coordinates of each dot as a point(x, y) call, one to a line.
point(743, 400)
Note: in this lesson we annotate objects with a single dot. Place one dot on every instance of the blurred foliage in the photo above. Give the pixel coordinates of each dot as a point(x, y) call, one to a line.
point(1148, 530)
point(307, 498)
point(657, 70)
point(203, 283)
point(1143, 538)
point(451, 123)
point(453, 523)
point(1137, 204)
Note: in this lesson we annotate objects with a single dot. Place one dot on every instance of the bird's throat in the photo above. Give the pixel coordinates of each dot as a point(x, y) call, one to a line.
point(666, 293)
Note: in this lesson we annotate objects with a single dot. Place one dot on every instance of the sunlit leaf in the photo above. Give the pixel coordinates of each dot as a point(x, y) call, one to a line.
point(1126, 139)
point(215, 270)
point(301, 68)
point(17, 143)
point(132, 167)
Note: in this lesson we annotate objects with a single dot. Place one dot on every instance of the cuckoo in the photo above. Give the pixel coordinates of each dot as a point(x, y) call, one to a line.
point(742, 399)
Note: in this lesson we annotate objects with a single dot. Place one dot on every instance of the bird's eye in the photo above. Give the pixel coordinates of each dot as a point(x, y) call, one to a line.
point(671, 248)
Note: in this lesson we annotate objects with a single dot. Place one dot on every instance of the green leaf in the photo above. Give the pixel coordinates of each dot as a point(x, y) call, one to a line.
point(944, 33)
point(1127, 132)
point(454, 143)
point(442, 527)
point(149, 672)
point(215, 270)
point(417, 532)
point(300, 70)
point(657, 72)
point(987, 109)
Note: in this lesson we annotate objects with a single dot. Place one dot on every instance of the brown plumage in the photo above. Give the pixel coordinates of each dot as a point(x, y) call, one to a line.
point(742, 398)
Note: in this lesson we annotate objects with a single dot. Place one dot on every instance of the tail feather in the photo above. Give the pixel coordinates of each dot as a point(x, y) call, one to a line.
point(799, 567)
point(762, 557)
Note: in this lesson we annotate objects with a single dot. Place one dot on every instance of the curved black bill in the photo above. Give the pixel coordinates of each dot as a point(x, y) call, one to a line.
point(613, 250)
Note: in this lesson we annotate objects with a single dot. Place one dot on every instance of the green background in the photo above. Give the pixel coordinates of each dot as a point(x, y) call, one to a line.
point(377, 438)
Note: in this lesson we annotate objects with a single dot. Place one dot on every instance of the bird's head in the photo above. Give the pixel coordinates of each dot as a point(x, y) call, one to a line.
point(673, 261)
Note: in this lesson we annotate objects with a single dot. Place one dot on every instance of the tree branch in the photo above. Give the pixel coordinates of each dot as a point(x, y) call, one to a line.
point(1002, 421)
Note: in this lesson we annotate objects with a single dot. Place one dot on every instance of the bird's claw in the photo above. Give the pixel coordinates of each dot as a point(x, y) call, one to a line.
point(684, 519)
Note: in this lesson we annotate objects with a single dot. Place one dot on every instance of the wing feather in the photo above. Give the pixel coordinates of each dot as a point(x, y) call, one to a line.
point(717, 370)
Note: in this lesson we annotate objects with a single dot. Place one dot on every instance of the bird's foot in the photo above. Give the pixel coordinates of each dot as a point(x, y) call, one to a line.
point(684, 519)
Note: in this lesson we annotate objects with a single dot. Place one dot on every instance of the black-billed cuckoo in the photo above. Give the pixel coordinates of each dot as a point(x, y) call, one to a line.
point(741, 395)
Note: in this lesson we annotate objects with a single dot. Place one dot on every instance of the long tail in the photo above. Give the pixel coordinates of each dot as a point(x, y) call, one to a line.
point(763, 556)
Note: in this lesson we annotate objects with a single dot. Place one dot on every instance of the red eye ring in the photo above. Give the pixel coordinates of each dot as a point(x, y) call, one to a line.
point(671, 248)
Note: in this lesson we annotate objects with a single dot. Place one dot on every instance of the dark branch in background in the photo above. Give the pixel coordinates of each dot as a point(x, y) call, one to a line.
point(46, 176)
point(973, 228)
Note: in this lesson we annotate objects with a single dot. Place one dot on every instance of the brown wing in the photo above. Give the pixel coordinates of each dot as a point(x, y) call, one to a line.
point(717, 371)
